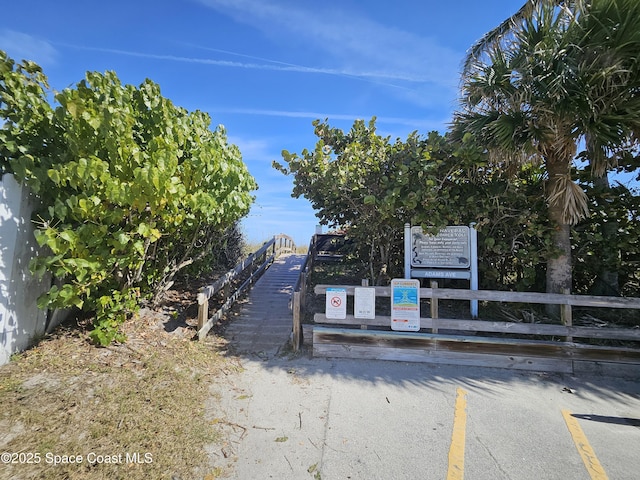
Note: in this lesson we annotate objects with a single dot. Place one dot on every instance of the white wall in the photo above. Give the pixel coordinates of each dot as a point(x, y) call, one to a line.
point(20, 319)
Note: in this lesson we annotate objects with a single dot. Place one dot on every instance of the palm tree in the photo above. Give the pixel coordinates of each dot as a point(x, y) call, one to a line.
point(562, 73)
point(508, 26)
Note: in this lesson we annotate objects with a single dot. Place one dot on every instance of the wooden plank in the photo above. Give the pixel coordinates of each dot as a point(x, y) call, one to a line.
point(475, 345)
point(208, 325)
point(380, 291)
point(203, 313)
point(627, 334)
point(500, 296)
point(379, 321)
point(598, 353)
point(607, 369)
point(297, 325)
point(442, 358)
point(577, 367)
point(449, 343)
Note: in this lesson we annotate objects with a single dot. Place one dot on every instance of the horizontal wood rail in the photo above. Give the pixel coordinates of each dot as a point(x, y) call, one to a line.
point(455, 341)
point(499, 296)
point(472, 351)
point(625, 334)
point(283, 244)
point(257, 262)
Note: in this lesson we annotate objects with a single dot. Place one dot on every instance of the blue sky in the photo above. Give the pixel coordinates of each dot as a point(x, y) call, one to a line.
point(265, 69)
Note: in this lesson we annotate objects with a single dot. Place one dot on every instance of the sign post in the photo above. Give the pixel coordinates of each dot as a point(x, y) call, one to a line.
point(473, 240)
point(405, 305)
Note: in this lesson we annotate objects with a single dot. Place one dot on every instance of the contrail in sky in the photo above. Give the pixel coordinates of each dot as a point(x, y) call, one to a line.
point(273, 65)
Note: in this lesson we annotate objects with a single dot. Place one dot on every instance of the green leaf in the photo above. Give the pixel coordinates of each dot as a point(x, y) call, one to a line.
point(123, 238)
point(69, 236)
point(138, 245)
point(143, 229)
point(117, 168)
point(54, 175)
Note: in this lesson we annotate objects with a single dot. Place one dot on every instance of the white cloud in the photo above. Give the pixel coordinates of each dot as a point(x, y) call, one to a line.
point(415, 123)
point(252, 148)
point(292, 217)
point(363, 47)
point(21, 46)
point(272, 65)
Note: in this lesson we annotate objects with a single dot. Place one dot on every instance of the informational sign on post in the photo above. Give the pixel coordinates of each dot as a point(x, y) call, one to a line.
point(336, 305)
point(364, 305)
point(450, 248)
point(451, 253)
point(405, 305)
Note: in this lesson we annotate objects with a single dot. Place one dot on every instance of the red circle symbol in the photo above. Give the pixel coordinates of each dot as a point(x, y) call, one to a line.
point(336, 301)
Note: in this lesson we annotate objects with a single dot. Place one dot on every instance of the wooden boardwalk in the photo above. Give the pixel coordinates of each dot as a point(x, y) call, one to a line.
point(264, 325)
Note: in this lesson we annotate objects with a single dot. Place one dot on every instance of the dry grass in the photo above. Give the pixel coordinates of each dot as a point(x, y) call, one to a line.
point(140, 405)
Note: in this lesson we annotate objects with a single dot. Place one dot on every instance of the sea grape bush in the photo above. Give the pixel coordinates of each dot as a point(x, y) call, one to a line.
point(370, 186)
point(132, 187)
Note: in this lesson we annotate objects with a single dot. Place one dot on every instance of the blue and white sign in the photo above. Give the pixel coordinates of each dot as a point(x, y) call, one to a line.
point(405, 305)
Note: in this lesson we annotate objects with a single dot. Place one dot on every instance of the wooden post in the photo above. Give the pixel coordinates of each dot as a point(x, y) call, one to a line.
point(226, 291)
point(303, 291)
point(364, 283)
point(566, 315)
point(203, 310)
point(297, 324)
point(434, 306)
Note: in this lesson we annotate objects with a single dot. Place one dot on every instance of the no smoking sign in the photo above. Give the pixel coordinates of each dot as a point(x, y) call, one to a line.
point(336, 305)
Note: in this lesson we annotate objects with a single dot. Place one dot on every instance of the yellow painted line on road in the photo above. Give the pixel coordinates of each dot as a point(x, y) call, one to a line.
point(456, 450)
point(589, 458)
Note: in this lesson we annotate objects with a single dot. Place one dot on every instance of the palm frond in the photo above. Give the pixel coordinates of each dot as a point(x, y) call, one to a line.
point(570, 198)
point(510, 26)
point(493, 37)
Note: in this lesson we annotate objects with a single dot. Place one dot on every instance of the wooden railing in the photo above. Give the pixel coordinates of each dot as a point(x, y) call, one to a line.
point(467, 349)
point(257, 263)
point(298, 297)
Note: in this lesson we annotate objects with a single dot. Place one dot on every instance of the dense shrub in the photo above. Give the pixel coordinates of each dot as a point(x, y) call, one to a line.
point(133, 188)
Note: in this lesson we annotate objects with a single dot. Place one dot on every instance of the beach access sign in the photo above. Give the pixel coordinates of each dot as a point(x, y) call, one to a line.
point(451, 253)
point(450, 248)
point(405, 305)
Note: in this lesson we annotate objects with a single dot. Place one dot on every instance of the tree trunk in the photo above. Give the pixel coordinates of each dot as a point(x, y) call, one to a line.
point(607, 282)
point(559, 271)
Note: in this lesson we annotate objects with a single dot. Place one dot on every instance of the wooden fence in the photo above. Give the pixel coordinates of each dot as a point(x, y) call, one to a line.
point(565, 348)
point(256, 264)
point(298, 297)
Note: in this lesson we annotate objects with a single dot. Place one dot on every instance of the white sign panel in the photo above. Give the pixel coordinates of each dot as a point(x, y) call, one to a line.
point(336, 305)
point(405, 305)
point(450, 248)
point(364, 302)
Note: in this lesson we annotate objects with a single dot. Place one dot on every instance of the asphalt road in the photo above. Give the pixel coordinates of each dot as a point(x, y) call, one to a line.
point(331, 419)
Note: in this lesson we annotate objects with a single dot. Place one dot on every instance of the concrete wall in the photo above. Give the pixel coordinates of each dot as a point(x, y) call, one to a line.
point(20, 319)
